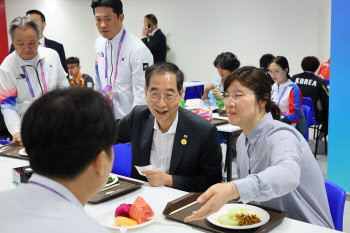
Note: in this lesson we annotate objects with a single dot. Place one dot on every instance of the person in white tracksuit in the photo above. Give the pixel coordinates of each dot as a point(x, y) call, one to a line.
point(27, 73)
point(121, 58)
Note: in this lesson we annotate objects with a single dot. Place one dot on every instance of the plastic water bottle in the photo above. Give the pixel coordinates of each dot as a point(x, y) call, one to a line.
point(219, 101)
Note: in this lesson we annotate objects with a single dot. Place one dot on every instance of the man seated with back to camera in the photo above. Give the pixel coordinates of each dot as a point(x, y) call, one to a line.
point(68, 135)
point(181, 145)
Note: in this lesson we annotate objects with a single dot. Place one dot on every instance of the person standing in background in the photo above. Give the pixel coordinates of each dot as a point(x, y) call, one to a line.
point(154, 38)
point(40, 20)
point(78, 79)
point(122, 59)
point(265, 60)
point(26, 74)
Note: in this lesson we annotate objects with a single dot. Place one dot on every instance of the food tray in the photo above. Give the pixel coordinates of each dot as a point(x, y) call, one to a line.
point(217, 122)
point(275, 215)
point(126, 186)
point(223, 113)
point(12, 151)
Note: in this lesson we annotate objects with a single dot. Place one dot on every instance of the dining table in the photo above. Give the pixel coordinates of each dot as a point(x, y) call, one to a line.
point(157, 198)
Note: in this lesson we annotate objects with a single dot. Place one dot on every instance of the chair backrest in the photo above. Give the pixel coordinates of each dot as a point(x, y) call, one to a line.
point(122, 159)
point(336, 200)
point(308, 102)
point(327, 81)
point(308, 119)
point(4, 142)
point(191, 92)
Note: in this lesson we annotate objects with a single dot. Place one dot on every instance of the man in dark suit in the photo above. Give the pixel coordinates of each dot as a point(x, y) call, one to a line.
point(154, 38)
point(40, 19)
point(182, 146)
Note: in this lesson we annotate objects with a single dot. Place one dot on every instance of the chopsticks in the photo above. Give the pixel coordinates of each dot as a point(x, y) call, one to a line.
point(184, 207)
point(109, 187)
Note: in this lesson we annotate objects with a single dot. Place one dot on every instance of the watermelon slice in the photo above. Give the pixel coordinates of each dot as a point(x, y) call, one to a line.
point(140, 211)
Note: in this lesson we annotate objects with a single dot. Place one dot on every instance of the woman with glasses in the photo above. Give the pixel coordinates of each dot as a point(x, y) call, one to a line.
point(225, 64)
point(285, 93)
point(276, 167)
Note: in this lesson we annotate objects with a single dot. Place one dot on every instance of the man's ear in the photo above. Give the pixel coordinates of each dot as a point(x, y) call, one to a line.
point(121, 18)
point(98, 163)
point(44, 25)
point(145, 91)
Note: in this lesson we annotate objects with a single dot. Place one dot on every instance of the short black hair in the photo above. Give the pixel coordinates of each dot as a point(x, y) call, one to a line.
point(42, 16)
point(64, 130)
point(152, 18)
point(310, 63)
point(161, 68)
point(227, 61)
point(116, 5)
point(265, 60)
point(73, 60)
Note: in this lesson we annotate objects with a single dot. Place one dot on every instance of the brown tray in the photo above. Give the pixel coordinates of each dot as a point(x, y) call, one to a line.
point(126, 186)
point(13, 151)
point(217, 122)
point(223, 113)
point(275, 215)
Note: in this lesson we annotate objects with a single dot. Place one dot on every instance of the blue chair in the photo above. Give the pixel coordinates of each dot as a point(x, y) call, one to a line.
point(314, 123)
point(194, 92)
point(308, 118)
point(327, 81)
point(336, 200)
point(122, 159)
point(4, 142)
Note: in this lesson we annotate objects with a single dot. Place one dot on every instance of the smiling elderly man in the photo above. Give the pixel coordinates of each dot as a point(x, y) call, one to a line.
point(182, 146)
point(27, 73)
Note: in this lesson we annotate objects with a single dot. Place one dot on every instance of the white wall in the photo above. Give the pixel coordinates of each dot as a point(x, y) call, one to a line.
point(198, 30)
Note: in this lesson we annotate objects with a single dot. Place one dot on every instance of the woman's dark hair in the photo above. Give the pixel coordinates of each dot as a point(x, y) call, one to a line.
point(265, 60)
point(227, 61)
point(282, 62)
point(310, 63)
point(257, 81)
point(64, 130)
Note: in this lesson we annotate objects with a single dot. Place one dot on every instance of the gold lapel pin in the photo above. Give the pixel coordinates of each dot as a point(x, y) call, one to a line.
point(183, 141)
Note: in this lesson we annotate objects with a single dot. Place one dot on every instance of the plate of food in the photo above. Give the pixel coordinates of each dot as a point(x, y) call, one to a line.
point(129, 216)
point(23, 152)
point(113, 178)
point(239, 216)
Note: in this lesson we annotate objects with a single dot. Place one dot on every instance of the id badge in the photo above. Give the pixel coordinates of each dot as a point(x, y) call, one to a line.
point(108, 93)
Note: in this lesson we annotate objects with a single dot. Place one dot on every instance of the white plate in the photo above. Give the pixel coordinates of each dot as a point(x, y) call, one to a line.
point(109, 223)
point(262, 214)
point(115, 179)
point(22, 152)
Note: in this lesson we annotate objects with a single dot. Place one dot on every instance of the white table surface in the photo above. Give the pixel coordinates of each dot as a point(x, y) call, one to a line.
point(226, 127)
point(157, 197)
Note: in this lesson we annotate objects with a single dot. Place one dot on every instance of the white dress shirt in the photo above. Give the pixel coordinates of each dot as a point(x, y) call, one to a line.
point(162, 146)
point(42, 42)
point(33, 208)
point(133, 60)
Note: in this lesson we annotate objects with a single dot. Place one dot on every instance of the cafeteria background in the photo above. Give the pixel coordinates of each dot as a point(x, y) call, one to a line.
point(198, 30)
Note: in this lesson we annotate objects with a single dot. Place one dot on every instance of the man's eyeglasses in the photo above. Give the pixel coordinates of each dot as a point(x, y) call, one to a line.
point(234, 95)
point(274, 72)
point(167, 97)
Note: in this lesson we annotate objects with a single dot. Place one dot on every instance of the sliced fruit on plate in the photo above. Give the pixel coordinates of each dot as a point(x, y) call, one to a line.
point(140, 211)
point(124, 221)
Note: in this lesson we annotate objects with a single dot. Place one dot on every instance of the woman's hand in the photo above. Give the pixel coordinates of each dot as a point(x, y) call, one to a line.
point(209, 87)
point(217, 94)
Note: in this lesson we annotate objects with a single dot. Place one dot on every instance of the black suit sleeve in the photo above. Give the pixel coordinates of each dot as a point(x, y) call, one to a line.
point(209, 164)
point(155, 42)
point(63, 58)
point(124, 128)
point(12, 48)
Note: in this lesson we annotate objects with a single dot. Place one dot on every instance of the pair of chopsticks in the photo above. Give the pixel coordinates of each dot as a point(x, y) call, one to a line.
point(109, 187)
point(184, 207)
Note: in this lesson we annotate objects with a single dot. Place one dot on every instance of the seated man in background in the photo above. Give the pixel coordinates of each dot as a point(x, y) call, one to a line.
point(67, 172)
point(78, 79)
point(180, 144)
point(315, 88)
point(27, 73)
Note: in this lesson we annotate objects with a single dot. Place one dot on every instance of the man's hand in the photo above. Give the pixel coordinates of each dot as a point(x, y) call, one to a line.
point(145, 31)
point(217, 94)
point(158, 178)
point(216, 196)
point(17, 138)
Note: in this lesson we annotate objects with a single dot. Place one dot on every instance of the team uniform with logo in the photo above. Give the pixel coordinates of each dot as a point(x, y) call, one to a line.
point(82, 80)
point(120, 71)
point(23, 81)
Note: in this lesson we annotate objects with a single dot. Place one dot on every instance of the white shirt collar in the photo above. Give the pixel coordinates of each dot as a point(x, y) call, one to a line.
point(172, 128)
point(42, 41)
point(152, 34)
point(117, 37)
point(61, 189)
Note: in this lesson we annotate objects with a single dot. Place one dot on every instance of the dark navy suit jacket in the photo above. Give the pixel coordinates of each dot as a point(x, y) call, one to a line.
point(194, 166)
point(157, 45)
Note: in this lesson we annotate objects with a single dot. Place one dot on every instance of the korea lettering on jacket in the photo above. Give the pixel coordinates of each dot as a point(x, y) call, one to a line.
point(125, 73)
point(17, 92)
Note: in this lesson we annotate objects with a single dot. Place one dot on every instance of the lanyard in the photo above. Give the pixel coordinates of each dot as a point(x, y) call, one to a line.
point(284, 90)
point(119, 48)
point(48, 188)
point(79, 79)
point(309, 72)
point(28, 81)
